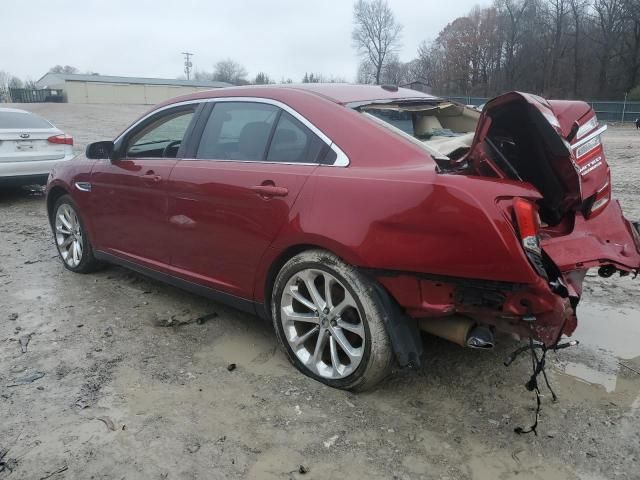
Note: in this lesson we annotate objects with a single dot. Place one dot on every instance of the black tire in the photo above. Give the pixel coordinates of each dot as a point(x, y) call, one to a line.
point(88, 263)
point(377, 357)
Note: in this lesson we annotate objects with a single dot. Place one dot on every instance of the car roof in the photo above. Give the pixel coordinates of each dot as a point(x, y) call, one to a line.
point(350, 93)
point(341, 93)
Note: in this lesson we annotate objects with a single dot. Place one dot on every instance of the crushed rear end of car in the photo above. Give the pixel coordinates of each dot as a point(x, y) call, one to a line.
point(564, 220)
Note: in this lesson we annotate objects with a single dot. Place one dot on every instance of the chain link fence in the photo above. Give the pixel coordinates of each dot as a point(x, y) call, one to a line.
point(607, 111)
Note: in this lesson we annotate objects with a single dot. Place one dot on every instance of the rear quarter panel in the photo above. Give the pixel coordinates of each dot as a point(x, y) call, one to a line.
point(409, 219)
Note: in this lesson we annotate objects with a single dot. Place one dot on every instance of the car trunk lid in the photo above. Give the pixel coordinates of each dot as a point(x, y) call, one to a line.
point(20, 145)
point(557, 147)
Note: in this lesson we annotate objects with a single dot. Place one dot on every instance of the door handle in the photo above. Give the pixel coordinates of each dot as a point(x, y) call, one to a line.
point(151, 177)
point(270, 190)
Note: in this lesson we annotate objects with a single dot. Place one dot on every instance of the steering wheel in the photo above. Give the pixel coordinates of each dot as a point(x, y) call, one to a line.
point(170, 145)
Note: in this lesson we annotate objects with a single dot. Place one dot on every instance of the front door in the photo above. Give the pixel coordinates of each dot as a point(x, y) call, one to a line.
point(129, 194)
point(228, 203)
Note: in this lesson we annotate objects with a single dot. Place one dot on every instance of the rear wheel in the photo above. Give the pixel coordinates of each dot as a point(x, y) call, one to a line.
point(329, 320)
point(71, 237)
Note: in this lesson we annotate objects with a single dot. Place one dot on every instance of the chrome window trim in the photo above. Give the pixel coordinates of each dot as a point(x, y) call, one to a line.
point(589, 137)
point(257, 161)
point(342, 160)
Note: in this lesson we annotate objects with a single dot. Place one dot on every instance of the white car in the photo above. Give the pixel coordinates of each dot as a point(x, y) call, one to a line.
point(29, 147)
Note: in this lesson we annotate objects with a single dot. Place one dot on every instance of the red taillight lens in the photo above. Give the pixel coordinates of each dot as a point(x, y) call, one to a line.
point(528, 221)
point(61, 139)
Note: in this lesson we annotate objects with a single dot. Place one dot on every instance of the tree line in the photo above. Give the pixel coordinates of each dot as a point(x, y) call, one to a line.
point(235, 73)
point(556, 48)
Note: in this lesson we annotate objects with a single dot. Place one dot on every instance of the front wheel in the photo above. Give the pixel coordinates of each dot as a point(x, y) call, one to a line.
point(71, 237)
point(329, 320)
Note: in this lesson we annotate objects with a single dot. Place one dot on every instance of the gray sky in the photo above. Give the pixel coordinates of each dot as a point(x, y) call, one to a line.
point(283, 38)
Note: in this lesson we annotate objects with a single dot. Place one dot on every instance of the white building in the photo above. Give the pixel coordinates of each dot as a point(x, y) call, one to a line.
point(131, 90)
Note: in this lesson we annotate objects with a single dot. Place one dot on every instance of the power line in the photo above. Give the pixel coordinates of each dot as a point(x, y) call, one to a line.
point(187, 64)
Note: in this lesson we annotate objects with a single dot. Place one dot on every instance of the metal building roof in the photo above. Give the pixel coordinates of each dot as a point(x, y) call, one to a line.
point(57, 78)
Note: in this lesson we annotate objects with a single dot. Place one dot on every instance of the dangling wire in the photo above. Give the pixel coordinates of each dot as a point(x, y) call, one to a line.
point(538, 367)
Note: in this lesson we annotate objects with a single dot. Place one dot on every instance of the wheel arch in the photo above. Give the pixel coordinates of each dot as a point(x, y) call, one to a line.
point(403, 331)
point(53, 195)
point(264, 307)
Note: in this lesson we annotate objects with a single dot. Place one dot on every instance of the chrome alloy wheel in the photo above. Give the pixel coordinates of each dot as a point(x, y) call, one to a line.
point(322, 324)
point(68, 235)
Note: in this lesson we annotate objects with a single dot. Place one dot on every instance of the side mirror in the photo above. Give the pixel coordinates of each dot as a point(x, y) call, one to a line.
point(100, 150)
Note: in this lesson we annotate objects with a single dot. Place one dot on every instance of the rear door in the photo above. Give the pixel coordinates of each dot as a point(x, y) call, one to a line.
point(228, 202)
point(128, 207)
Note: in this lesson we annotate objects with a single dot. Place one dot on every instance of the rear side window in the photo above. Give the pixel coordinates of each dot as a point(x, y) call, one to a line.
point(238, 131)
point(22, 120)
point(292, 142)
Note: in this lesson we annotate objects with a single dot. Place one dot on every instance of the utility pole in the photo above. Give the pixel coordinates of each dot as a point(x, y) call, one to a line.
point(187, 64)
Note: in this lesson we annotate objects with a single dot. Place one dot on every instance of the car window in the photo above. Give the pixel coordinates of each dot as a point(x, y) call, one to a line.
point(292, 142)
point(237, 131)
point(22, 120)
point(401, 120)
point(162, 137)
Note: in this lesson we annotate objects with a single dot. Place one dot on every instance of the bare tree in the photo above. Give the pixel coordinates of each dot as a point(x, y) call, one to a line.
point(202, 76)
point(559, 48)
point(229, 71)
point(578, 8)
point(262, 79)
point(61, 69)
point(631, 29)
point(15, 82)
point(558, 12)
point(4, 86)
point(608, 17)
point(366, 72)
point(515, 10)
point(376, 34)
point(395, 72)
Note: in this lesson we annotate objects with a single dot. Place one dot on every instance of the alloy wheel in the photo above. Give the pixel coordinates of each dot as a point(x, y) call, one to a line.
point(322, 324)
point(68, 235)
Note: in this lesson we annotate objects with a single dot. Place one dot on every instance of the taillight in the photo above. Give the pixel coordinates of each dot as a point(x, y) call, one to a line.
point(528, 221)
point(61, 139)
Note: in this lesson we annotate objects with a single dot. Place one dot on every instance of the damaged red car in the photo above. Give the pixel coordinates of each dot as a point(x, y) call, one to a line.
point(353, 217)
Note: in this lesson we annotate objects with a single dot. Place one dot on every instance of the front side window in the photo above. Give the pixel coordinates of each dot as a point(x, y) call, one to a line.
point(238, 131)
point(161, 138)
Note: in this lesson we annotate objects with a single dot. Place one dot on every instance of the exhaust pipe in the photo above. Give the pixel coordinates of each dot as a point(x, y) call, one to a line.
point(481, 336)
point(459, 330)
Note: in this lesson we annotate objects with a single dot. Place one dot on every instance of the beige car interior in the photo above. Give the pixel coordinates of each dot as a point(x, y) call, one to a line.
point(443, 129)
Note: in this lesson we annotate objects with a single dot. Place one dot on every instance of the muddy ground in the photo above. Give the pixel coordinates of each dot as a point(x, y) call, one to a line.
point(132, 386)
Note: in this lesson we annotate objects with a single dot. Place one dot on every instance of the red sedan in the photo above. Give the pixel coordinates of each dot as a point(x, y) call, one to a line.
point(355, 216)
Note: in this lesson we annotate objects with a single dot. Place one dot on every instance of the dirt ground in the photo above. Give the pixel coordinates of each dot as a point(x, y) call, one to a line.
point(121, 381)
